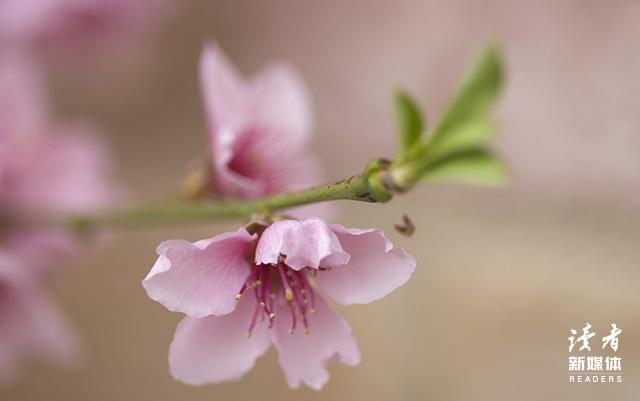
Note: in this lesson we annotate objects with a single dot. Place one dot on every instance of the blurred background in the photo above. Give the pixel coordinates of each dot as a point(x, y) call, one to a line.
point(503, 274)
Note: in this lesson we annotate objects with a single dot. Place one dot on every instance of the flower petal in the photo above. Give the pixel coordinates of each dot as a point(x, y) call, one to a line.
point(31, 325)
point(215, 349)
point(254, 163)
point(226, 99)
point(66, 171)
point(281, 104)
point(40, 250)
point(202, 278)
point(258, 128)
point(375, 269)
point(307, 243)
point(225, 94)
point(303, 357)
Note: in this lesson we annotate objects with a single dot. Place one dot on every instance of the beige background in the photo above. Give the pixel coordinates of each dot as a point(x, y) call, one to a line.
point(503, 274)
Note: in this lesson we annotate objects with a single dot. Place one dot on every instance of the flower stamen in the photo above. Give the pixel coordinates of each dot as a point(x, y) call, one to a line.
point(293, 318)
point(288, 292)
point(296, 291)
point(266, 295)
point(308, 291)
point(247, 284)
point(301, 299)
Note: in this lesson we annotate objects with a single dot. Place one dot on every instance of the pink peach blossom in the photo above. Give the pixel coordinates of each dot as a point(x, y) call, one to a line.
point(259, 128)
point(47, 169)
point(271, 285)
point(74, 23)
point(30, 324)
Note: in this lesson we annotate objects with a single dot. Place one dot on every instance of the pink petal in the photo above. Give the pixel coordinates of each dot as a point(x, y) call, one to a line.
point(45, 167)
point(224, 92)
point(307, 243)
point(254, 163)
point(257, 128)
point(375, 269)
point(260, 162)
point(202, 278)
point(215, 349)
point(76, 24)
point(226, 107)
point(31, 326)
point(39, 249)
point(281, 104)
point(66, 170)
point(21, 20)
point(303, 357)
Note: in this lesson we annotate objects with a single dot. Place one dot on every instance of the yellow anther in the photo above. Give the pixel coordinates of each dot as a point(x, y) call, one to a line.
point(290, 330)
point(248, 334)
point(238, 295)
point(306, 330)
point(288, 295)
point(255, 284)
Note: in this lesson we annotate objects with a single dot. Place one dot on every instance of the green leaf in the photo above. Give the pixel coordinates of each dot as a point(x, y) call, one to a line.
point(470, 134)
point(477, 93)
point(476, 166)
point(408, 120)
point(457, 149)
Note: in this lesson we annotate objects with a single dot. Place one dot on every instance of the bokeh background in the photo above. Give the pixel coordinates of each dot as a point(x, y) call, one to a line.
point(503, 274)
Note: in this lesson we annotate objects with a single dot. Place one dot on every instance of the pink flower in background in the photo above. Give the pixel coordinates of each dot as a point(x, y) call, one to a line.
point(259, 128)
point(30, 325)
point(74, 23)
point(46, 168)
point(271, 286)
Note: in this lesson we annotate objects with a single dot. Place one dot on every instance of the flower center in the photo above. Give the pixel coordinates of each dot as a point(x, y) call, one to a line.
point(270, 281)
